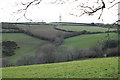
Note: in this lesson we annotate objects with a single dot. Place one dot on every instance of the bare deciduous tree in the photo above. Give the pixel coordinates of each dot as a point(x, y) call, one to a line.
point(89, 7)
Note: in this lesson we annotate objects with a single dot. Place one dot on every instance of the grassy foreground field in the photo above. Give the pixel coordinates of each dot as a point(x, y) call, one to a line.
point(27, 44)
point(87, 41)
point(89, 68)
point(87, 28)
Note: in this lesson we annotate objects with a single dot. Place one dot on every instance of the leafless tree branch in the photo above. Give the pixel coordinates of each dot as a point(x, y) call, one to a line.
point(27, 5)
point(114, 4)
point(91, 10)
point(112, 1)
point(86, 9)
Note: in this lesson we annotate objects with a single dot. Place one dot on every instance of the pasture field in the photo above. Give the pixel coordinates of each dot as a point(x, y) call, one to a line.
point(9, 30)
point(27, 44)
point(89, 68)
point(67, 24)
point(46, 31)
point(88, 40)
point(82, 28)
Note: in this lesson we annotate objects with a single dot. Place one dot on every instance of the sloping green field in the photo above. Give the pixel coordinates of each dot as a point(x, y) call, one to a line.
point(82, 28)
point(27, 44)
point(89, 68)
point(87, 41)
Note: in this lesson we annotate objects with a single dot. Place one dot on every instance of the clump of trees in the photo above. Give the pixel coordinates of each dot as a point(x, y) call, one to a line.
point(49, 53)
point(9, 47)
point(110, 47)
point(46, 54)
point(110, 44)
point(25, 60)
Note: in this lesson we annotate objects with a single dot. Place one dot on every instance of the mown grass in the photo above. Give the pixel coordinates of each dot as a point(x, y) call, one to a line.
point(89, 68)
point(27, 44)
point(88, 40)
point(82, 28)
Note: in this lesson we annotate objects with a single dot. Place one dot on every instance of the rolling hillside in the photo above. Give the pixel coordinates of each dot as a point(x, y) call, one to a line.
point(89, 68)
point(82, 28)
point(46, 31)
point(83, 67)
point(27, 44)
point(87, 41)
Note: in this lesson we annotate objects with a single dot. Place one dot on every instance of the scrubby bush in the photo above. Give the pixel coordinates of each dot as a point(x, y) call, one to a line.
point(85, 53)
point(112, 52)
point(58, 39)
point(46, 54)
point(67, 54)
point(96, 52)
point(60, 54)
point(6, 63)
point(71, 54)
point(78, 54)
point(26, 60)
point(92, 52)
point(84, 31)
point(92, 23)
point(39, 58)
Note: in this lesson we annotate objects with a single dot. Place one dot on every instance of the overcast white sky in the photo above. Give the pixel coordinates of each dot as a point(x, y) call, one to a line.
point(50, 13)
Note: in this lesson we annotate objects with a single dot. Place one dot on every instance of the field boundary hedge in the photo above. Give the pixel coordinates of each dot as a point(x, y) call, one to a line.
point(76, 33)
point(72, 33)
point(15, 30)
point(81, 31)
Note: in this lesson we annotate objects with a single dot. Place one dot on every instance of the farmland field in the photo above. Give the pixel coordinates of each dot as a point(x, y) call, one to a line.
point(87, 41)
point(82, 28)
point(46, 31)
point(52, 53)
point(89, 68)
point(27, 44)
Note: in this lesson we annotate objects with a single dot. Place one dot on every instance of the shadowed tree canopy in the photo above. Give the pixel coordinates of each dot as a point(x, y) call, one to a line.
point(89, 7)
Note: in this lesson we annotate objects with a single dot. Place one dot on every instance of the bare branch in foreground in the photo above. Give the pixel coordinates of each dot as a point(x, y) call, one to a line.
point(27, 5)
point(85, 9)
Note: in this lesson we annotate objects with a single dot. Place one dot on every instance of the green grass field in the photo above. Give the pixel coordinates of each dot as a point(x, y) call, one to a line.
point(9, 30)
point(87, 41)
point(87, 28)
point(89, 68)
point(27, 44)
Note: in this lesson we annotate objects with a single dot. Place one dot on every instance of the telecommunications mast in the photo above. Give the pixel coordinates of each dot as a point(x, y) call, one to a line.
point(60, 18)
